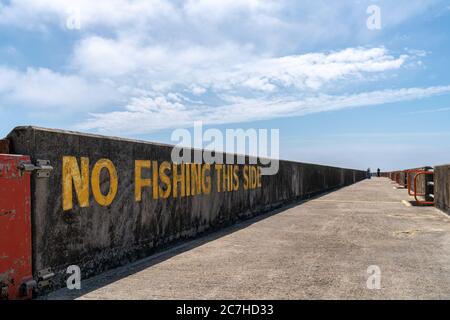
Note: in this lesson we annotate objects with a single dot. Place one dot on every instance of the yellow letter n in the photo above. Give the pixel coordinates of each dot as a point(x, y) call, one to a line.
point(71, 173)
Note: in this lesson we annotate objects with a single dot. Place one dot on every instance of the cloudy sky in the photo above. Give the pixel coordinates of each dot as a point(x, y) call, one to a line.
point(340, 93)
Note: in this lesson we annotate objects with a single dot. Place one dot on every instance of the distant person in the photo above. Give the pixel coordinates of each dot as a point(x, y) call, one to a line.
point(368, 173)
point(378, 172)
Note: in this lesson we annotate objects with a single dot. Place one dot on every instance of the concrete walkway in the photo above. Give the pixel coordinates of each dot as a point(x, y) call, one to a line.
point(319, 249)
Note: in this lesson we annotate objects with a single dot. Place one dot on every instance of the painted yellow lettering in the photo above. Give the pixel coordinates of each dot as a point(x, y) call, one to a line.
point(206, 178)
point(155, 179)
point(235, 178)
point(104, 200)
point(245, 177)
point(218, 168)
point(178, 178)
point(253, 177)
point(139, 182)
point(71, 173)
point(196, 177)
point(188, 179)
point(165, 180)
point(259, 178)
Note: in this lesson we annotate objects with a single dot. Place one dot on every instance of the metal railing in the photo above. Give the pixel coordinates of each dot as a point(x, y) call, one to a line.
point(410, 183)
point(431, 195)
point(410, 179)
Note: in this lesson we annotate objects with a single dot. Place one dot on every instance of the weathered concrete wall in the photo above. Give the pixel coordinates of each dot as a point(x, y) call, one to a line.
point(442, 187)
point(403, 179)
point(99, 232)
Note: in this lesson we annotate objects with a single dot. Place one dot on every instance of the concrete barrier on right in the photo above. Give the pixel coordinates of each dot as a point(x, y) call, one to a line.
point(442, 187)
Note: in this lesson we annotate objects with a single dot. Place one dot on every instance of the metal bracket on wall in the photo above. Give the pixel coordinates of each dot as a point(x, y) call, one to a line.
point(45, 278)
point(42, 168)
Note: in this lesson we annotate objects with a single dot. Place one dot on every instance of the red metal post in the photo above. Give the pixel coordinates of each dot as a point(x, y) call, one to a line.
point(409, 181)
point(15, 228)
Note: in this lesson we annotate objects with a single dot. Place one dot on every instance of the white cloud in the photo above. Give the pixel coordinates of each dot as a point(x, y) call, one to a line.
point(150, 114)
point(220, 68)
point(196, 90)
point(430, 110)
point(159, 81)
point(275, 26)
point(161, 86)
point(110, 13)
point(113, 13)
point(214, 11)
point(311, 71)
point(101, 57)
point(220, 61)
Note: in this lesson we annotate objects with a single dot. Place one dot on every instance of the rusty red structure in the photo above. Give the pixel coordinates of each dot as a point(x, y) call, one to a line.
point(15, 228)
point(419, 183)
point(410, 174)
point(418, 201)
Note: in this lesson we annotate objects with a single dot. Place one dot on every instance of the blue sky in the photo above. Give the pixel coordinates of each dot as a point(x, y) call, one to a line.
point(340, 93)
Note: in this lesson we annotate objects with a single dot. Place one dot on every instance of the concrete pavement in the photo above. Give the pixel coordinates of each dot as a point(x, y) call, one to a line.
point(318, 249)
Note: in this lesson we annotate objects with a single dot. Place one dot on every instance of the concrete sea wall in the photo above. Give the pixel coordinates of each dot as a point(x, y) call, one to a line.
point(110, 201)
point(442, 187)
